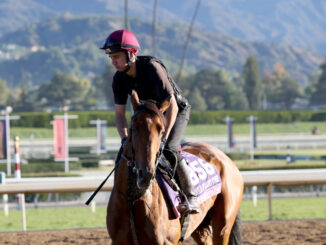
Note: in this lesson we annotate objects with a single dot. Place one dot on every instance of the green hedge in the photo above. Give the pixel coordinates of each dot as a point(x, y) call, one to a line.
point(214, 117)
point(42, 120)
point(318, 117)
point(42, 167)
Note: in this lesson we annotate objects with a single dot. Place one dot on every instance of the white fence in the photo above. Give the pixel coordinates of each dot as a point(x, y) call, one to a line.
point(44, 147)
point(88, 184)
point(267, 178)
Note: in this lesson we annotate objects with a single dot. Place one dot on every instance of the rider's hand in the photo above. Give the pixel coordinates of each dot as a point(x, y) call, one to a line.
point(123, 141)
point(162, 145)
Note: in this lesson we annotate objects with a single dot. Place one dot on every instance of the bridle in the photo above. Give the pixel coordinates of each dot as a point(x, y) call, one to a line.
point(131, 161)
point(134, 170)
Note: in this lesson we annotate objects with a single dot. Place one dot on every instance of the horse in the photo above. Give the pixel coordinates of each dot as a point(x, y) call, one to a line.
point(138, 212)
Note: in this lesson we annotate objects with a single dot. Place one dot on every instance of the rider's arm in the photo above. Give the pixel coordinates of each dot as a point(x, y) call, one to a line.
point(120, 120)
point(170, 116)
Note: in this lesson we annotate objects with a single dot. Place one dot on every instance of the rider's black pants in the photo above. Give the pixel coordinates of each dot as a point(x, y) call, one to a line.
point(171, 150)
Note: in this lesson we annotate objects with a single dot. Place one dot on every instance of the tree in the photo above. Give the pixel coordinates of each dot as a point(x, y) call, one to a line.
point(197, 101)
point(252, 86)
point(103, 85)
point(4, 93)
point(312, 84)
point(64, 90)
point(217, 90)
point(289, 92)
point(27, 95)
point(318, 96)
point(280, 89)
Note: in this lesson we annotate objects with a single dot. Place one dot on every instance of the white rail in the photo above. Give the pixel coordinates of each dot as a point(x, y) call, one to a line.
point(88, 184)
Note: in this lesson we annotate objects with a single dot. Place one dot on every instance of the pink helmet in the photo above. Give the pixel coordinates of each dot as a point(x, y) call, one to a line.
point(121, 40)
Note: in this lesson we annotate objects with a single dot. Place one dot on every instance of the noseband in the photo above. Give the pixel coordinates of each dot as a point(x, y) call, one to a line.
point(133, 169)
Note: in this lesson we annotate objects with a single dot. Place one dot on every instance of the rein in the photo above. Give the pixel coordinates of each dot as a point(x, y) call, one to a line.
point(131, 162)
point(133, 169)
point(100, 186)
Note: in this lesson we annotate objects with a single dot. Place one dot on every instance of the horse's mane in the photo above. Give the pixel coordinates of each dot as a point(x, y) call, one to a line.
point(150, 107)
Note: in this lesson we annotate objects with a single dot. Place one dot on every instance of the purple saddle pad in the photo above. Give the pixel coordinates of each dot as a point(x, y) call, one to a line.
point(205, 179)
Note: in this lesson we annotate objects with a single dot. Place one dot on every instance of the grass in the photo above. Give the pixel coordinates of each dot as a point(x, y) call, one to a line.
point(50, 219)
point(267, 128)
point(295, 208)
point(45, 133)
point(312, 152)
point(278, 164)
point(69, 218)
point(216, 129)
point(283, 209)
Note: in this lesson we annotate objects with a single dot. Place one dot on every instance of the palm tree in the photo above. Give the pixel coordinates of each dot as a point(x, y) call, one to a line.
point(127, 27)
point(187, 40)
point(154, 27)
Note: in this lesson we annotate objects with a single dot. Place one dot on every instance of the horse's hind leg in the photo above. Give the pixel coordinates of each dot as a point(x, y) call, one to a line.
point(203, 234)
point(219, 222)
point(235, 236)
point(224, 215)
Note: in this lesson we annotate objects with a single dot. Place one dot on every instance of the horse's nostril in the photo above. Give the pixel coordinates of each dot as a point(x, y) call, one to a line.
point(135, 170)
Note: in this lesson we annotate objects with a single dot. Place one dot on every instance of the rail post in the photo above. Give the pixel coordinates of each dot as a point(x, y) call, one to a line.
point(93, 206)
point(6, 131)
point(230, 138)
point(253, 136)
point(4, 196)
point(269, 192)
point(100, 136)
point(61, 139)
point(20, 196)
point(254, 195)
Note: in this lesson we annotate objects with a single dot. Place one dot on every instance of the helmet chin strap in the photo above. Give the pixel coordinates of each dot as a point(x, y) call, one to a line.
point(129, 60)
point(127, 67)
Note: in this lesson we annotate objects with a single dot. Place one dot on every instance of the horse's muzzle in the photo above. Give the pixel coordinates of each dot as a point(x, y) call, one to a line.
point(144, 178)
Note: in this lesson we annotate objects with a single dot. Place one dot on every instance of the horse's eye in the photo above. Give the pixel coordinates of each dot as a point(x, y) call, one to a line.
point(134, 130)
point(159, 128)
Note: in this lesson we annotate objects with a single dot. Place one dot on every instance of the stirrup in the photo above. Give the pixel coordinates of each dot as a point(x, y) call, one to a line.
point(186, 208)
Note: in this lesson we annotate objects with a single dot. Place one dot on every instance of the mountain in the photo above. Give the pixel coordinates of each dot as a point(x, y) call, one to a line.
point(299, 23)
point(70, 44)
point(15, 14)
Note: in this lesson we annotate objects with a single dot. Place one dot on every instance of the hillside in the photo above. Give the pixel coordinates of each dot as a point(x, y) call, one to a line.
point(70, 44)
point(299, 23)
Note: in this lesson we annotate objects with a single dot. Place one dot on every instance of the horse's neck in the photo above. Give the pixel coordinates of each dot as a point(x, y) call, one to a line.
point(153, 198)
point(120, 182)
point(153, 193)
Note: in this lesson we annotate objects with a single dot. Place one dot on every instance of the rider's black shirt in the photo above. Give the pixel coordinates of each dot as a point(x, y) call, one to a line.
point(151, 82)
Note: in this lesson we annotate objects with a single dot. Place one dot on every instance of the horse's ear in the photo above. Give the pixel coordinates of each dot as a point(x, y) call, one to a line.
point(164, 105)
point(134, 99)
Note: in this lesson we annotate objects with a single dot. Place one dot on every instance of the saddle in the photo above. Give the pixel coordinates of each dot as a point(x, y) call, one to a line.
point(205, 178)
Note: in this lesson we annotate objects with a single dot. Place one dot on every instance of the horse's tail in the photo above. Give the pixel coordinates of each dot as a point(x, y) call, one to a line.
point(235, 235)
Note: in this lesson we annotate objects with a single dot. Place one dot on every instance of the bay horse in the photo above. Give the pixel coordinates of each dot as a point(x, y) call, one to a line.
point(138, 212)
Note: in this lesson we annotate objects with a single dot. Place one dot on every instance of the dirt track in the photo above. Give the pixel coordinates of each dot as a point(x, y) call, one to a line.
point(299, 232)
